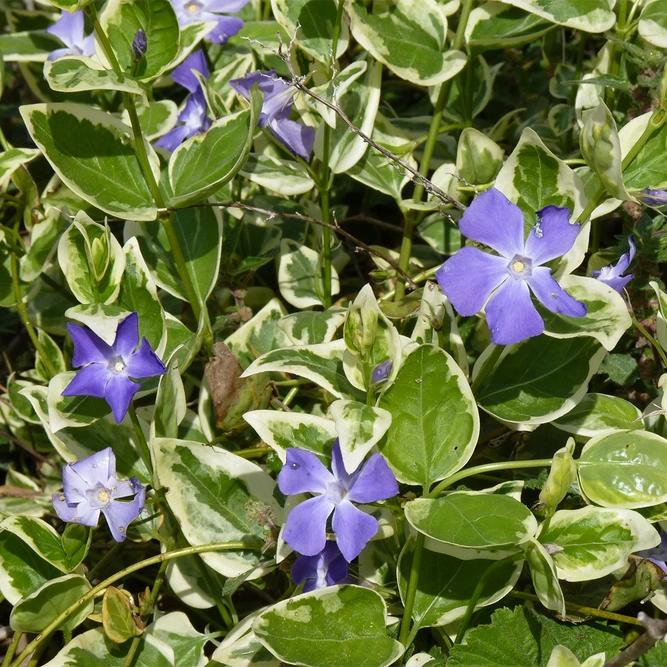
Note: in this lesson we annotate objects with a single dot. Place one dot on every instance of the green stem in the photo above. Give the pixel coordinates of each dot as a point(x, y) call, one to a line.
point(411, 593)
point(134, 647)
point(290, 396)
point(154, 560)
point(215, 594)
point(11, 649)
point(23, 315)
point(413, 218)
point(91, 12)
point(106, 559)
point(651, 340)
point(253, 452)
point(34, 661)
point(143, 444)
point(484, 468)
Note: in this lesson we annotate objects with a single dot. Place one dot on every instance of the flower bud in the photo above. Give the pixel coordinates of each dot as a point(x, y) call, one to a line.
point(139, 45)
point(381, 372)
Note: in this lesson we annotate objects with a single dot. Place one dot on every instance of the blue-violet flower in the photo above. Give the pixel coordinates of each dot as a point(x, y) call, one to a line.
point(276, 108)
point(199, 11)
point(381, 372)
point(611, 275)
point(108, 369)
point(654, 197)
point(471, 276)
point(69, 29)
point(90, 487)
point(326, 568)
point(193, 119)
point(657, 555)
point(306, 526)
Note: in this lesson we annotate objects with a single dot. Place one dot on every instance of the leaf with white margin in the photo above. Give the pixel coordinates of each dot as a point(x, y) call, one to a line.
point(323, 364)
point(156, 118)
point(11, 160)
point(286, 177)
point(95, 156)
point(94, 648)
point(28, 46)
point(175, 630)
point(420, 660)
point(653, 23)
point(360, 427)
point(626, 469)
point(472, 521)
point(648, 168)
point(170, 401)
point(598, 414)
point(312, 326)
point(588, 15)
point(409, 37)
point(606, 319)
point(209, 489)
point(241, 648)
point(73, 74)
point(334, 89)
point(592, 542)
point(103, 319)
point(543, 574)
point(561, 656)
point(282, 430)
point(260, 335)
point(298, 275)
point(337, 626)
point(187, 583)
point(661, 315)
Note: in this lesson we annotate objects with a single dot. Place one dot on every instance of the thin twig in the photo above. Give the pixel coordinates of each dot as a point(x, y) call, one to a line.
point(23, 446)
point(655, 631)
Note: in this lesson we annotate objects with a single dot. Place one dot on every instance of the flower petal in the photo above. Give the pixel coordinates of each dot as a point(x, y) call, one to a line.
point(68, 28)
point(337, 465)
point(88, 346)
point(495, 221)
point(119, 394)
point(338, 568)
point(144, 363)
point(375, 481)
point(306, 567)
point(74, 486)
point(306, 526)
point(127, 336)
point(225, 6)
point(227, 27)
point(174, 138)
point(119, 515)
point(91, 380)
point(125, 488)
point(303, 472)
point(81, 513)
point(96, 468)
point(615, 283)
point(468, 278)
point(184, 74)
point(511, 315)
point(297, 138)
point(552, 235)
point(353, 529)
point(552, 296)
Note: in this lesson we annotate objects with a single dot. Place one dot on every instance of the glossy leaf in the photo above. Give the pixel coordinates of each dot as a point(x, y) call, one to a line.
point(597, 414)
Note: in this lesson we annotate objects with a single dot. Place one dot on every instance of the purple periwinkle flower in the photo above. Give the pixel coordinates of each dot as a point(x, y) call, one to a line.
point(381, 372)
point(108, 369)
point(139, 44)
point(611, 275)
point(326, 568)
point(90, 487)
point(654, 197)
point(306, 526)
point(657, 555)
point(276, 108)
point(471, 276)
point(193, 119)
point(69, 29)
point(199, 11)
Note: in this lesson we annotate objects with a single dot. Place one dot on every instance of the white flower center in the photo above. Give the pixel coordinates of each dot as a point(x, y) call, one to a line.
point(103, 496)
point(520, 267)
point(336, 491)
point(116, 364)
point(192, 7)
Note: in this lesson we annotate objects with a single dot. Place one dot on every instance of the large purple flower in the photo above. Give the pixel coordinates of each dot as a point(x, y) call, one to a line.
point(471, 276)
point(69, 29)
point(199, 11)
point(108, 369)
point(306, 527)
point(90, 487)
point(193, 119)
point(657, 555)
point(326, 568)
point(611, 275)
point(276, 108)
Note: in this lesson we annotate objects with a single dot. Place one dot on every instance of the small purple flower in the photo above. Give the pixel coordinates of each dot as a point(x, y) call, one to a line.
point(381, 372)
point(306, 526)
point(654, 197)
point(657, 555)
point(611, 275)
point(199, 11)
point(471, 276)
point(90, 487)
point(193, 119)
point(69, 29)
point(326, 568)
point(276, 108)
point(139, 44)
point(108, 369)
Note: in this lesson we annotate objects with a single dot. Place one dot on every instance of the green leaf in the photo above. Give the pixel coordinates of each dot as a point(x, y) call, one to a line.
point(592, 542)
point(286, 177)
point(76, 542)
point(435, 423)
point(543, 574)
point(626, 469)
point(641, 578)
point(72, 411)
point(408, 37)
point(647, 169)
point(70, 5)
point(211, 492)
point(11, 160)
point(587, 15)
point(539, 380)
point(598, 414)
point(169, 402)
point(653, 23)
point(312, 327)
point(94, 155)
point(73, 74)
point(36, 611)
point(563, 657)
point(338, 626)
point(156, 119)
point(176, 630)
point(204, 163)
point(471, 524)
point(117, 617)
point(446, 585)
point(245, 650)
point(28, 46)
point(43, 245)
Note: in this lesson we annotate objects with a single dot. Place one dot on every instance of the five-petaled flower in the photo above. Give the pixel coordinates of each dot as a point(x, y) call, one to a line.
point(90, 487)
point(611, 275)
point(471, 276)
point(69, 29)
point(276, 108)
point(108, 369)
point(200, 11)
point(306, 526)
point(193, 119)
point(326, 568)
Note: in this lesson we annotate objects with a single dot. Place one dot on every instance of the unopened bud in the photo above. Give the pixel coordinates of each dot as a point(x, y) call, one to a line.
point(381, 372)
point(139, 45)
